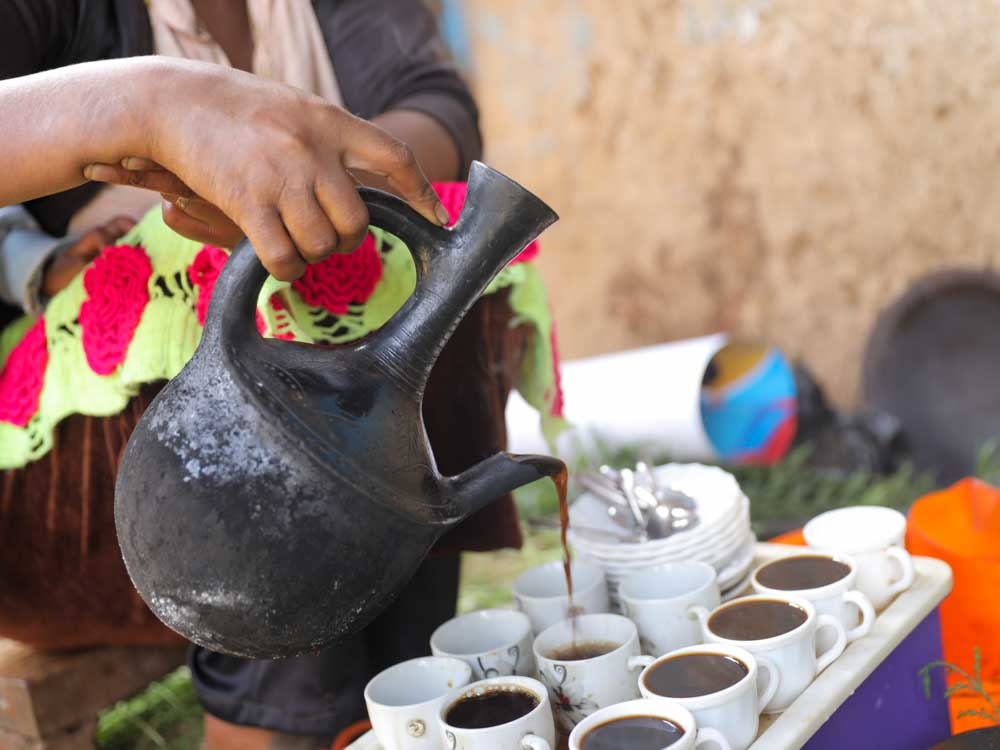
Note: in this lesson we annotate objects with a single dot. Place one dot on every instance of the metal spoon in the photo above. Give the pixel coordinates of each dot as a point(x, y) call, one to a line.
point(644, 475)
point(610, 475)
point(683, 508)
point(677, 498)
point(645, 478)
point(617, 506)
point(627, 484)
point(659, 518)
point(673, 508)
point(599, 485)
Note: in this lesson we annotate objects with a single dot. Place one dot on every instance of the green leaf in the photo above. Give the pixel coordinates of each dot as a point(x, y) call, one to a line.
point(964, 685)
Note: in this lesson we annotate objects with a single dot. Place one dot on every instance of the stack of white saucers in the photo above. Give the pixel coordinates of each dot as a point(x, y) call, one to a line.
point(722, 537)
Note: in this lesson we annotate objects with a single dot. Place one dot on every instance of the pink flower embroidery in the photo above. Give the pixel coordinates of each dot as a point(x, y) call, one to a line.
point(117, 288)
point(452, 195)
point(278, 306)
point(340, 280)
point(22, 376)
point(203, 273)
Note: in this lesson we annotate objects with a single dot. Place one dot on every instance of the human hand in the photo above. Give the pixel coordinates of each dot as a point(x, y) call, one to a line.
point(66, 265)
point(272, 159)
point(183, 211)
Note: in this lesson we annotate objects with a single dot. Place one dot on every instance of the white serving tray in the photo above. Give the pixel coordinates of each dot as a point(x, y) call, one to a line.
point(793, 728)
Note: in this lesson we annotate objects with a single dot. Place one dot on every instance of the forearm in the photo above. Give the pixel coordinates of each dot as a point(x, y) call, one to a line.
point(57, 122)
point(392, 69)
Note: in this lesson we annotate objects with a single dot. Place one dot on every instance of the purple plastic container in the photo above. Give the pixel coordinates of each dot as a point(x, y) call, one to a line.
point(889, 710)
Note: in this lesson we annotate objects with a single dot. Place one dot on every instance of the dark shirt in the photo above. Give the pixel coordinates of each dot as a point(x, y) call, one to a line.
point(386, 54)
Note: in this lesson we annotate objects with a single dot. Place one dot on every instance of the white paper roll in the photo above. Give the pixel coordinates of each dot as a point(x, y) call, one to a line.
point(649, 396)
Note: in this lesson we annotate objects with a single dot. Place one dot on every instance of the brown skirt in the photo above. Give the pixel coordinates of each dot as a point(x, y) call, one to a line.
point(62, 580)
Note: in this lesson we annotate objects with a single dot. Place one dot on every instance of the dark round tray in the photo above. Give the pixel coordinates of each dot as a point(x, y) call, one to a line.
point(933, 361)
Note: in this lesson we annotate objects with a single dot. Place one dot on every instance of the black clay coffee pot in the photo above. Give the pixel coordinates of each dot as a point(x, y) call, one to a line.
point(276, 495)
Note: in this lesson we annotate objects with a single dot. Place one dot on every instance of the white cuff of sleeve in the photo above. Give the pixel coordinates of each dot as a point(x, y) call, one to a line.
point(23, 261)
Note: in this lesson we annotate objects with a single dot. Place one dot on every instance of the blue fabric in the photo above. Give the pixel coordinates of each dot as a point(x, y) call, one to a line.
point(746, 415)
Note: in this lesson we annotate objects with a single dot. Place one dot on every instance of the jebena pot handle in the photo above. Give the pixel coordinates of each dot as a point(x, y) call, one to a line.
point(234, 298)
point(453, 268)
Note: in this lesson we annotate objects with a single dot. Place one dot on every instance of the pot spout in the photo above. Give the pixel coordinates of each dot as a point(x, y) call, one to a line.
point(477, 487)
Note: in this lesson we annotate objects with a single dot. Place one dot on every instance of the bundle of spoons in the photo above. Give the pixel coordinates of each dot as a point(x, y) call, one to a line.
point(643, 508)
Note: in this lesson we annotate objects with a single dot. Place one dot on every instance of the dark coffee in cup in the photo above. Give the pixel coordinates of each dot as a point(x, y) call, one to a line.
point(802, 572)
point(754, 619)
point(693, 674)
point(633, 733)
point(490, 708)
point(579, 650)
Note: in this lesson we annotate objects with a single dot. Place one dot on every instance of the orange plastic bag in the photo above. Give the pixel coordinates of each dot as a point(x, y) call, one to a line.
point(791, 537)
point(961, 525)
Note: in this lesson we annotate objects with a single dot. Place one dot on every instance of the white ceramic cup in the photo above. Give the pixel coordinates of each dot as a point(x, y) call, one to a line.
point(580, 687)
point(658, 600)
point(733, 711)
point(793, 653)
point(533, 731)
point(494, 642)
point(404, 701)
point(541, 594)
point(693, 737)
point(873, 536)
point(840, 599)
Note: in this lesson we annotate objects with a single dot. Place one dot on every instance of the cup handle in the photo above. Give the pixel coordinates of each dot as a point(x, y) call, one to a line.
point(707, 735)
point(697, 611)
point(905, 562)
point(773, 681)
point(534, 742)
point(863, 603)
point(826, 658)
point(639, 662)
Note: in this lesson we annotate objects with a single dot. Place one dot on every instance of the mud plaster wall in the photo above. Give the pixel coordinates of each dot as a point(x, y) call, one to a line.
point(779, 169)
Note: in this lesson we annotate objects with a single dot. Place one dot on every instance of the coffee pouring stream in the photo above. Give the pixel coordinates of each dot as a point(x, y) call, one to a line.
point(276, 495)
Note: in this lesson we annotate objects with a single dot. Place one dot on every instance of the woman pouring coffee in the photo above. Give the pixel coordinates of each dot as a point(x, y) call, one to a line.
point(232, 154)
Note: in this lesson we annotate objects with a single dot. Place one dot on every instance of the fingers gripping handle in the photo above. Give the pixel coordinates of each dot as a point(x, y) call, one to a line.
point(234, 298)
